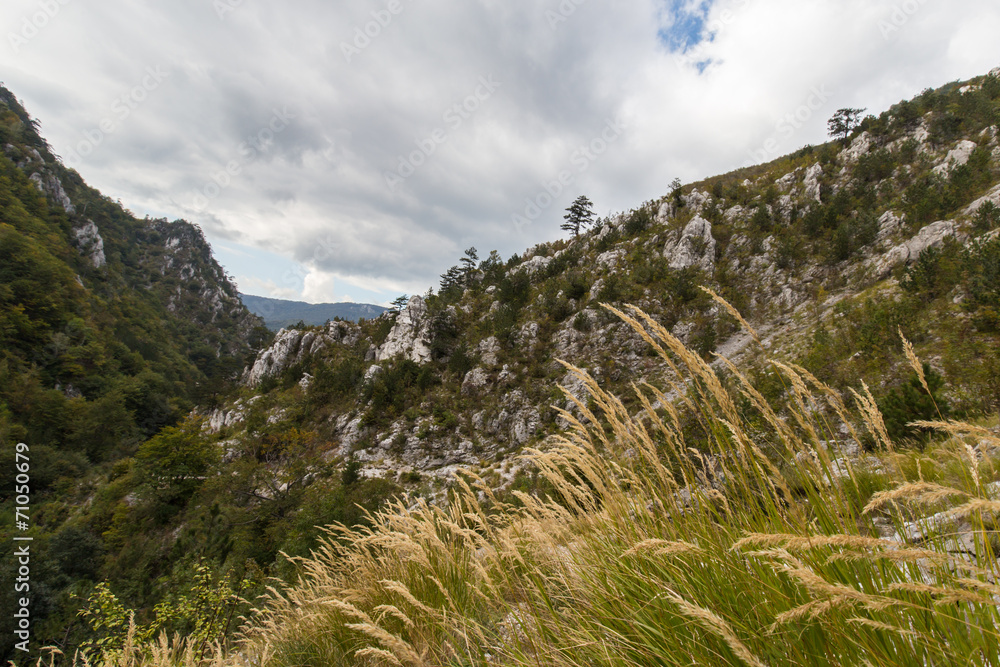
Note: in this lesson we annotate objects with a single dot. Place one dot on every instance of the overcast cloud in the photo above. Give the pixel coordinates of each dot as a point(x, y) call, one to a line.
point(356, 149)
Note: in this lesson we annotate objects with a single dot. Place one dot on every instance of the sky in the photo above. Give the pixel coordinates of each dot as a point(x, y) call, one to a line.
point(352, 151)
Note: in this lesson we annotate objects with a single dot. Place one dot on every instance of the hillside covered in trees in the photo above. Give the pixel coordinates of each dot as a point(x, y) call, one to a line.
point(847, 260)
point(112, 328)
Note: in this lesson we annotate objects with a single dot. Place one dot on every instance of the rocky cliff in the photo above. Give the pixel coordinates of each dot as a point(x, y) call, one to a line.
point(804, 247)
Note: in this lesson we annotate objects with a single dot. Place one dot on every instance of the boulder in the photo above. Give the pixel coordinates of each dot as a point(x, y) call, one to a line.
point(956, 157)
point(489, 351)
point(474, 381)
point(50, 185)
point(931, 236)
point(861, 145)
point(534, 265)
point(290, 346)
point(666, 211)
point(410, 335)
point(991, 196)
point(811, 182)
point(696, 200)
point(609, 260)
point(696, 247)
point(888, 224)
point(90, 243)
point(788, 181)
point(735, 213)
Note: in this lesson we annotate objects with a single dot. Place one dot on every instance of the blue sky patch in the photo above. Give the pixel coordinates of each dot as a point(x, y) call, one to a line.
point(685, 24)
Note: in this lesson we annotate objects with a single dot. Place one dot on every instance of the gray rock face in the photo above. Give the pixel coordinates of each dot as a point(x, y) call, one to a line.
point(991, 196)
point(536, 264)
point(956, 157)
point(227, 417)
point(888, 224)
point(788, 181)
point(665, 212)
point(811, 182)
point(861, 145)
point(290, 346)
point(735, 213)
point(609, 260)
point(410, 336)
point(696, 247)
point(931, 236)
point(489, 351)
point(50, 185)
point(90, 243)
point(474, 381)
point(697, 200)
point(528, 335)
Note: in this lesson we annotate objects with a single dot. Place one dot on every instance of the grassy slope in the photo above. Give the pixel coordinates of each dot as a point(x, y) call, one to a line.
point(843, 325)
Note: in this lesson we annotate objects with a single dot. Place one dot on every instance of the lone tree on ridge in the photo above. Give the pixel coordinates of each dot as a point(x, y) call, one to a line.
point(844, 122)
point(579, 215)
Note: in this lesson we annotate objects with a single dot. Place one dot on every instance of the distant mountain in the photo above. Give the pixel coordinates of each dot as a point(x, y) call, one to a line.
point(279, 314)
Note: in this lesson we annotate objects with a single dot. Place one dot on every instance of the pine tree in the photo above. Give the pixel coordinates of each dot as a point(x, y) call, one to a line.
point(451, 279)
point(579, 215)
point(844, 122)
point(399, 303)
point(469, 262)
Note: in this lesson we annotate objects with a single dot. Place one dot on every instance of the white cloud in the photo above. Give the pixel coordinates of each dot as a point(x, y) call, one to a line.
point(314, 190)
point(319, 287)
point(250, 284)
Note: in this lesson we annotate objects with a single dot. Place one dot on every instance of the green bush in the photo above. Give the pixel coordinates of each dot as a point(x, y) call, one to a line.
point(911, 402)
point(981, 279)
point(638, 221)
point(987, 217)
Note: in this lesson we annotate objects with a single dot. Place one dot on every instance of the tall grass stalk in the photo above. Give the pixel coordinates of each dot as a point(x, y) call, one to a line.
point(723, 531)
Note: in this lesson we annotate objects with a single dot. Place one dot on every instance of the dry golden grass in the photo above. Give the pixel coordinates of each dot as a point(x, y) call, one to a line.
point(695, 533)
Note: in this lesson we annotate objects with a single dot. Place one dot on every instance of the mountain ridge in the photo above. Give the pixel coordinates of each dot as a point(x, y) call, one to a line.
point(829, 253)
point(280, 313)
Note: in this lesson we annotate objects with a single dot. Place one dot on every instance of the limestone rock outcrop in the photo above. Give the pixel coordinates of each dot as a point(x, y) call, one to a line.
point(410, 336)
point(956, 157)
point(90, 243)
point(931, 236)
point(290, 346)
point(50, 185)
point(991, 196)
point(811, 182)
point(695, 247)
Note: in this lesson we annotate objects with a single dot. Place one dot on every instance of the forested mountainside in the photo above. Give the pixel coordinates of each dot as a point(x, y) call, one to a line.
point(280, 313)
point(829, 253)
point(111, 329)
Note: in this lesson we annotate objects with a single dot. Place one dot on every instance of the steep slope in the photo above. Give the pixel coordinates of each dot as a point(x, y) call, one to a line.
point(829, 253)
point(822, 250)
point(111, 328)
